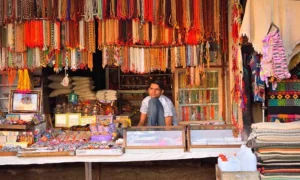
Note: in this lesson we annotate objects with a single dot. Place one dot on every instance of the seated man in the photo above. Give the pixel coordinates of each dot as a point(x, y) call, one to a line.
point(159, 108)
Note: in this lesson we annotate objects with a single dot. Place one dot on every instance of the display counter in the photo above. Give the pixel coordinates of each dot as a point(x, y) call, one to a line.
point(151, 139)
point(212, 138)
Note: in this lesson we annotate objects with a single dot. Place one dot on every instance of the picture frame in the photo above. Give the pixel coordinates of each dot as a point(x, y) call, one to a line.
point(37, 81)
point(87, 120)
point(106, 119)
point(61, 120)
point(74, 119)
point(29, 102)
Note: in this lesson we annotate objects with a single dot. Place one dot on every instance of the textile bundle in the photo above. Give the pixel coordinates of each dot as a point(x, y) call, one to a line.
point(284, 102)
point(277, 148)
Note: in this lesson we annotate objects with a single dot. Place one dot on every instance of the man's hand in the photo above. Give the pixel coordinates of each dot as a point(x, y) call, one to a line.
point(168, 120)
point(142, 119)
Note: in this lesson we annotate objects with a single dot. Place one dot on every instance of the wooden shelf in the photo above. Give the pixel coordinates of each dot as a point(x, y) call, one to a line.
point(18, 127)
point(4, 98)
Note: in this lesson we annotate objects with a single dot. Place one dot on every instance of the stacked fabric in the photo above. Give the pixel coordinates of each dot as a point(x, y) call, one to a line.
point(277, 147)
point(83, 87)
point(58, 87)
point(106, 95)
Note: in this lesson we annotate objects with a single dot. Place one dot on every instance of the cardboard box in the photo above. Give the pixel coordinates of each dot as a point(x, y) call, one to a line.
point(237, 175)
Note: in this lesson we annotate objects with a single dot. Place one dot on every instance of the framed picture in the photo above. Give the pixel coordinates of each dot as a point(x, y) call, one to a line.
point(73, 119)
point(105, 119)
point(37, 81)
point(61, 120)
point(25, 102)
point(87, 120)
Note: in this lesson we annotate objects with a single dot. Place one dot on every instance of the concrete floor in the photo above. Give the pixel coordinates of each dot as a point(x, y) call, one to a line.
point(200, 169)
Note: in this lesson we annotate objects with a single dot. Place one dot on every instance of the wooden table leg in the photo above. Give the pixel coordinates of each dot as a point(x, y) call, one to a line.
point(88, 170)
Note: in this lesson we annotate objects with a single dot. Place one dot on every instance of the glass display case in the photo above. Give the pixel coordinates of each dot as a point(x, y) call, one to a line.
point(155, 139)
point(212, 136)
point(201, 102)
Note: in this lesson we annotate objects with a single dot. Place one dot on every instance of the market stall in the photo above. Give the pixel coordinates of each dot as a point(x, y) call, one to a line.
point(184, 44)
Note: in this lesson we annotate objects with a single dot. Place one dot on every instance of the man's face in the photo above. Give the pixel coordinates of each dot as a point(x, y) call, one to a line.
point(155, 91)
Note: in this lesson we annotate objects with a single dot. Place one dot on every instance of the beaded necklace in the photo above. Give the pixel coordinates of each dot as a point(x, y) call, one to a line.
point(116, 30)
point(3, 59)
point(73, 59)
point(38, 7)
point(43, 8)
point(99, 10)
point(90, 61)
point(91, 38)
point(88, 10)
point(57, 40)
point(10, 11)
point(17, 4)
point(59, 9)
point(100, 32)
point(49, 12)
point(73, 9)
point(64, 6)
point(81, 34)
point(10, 36)
point(207, 54)
point(182, 56)
point(63, 33)
point(20, 44)
point(68, 10)
point(217, 19)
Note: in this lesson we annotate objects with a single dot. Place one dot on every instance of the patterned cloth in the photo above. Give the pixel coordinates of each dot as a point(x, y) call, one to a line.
point(284, 102)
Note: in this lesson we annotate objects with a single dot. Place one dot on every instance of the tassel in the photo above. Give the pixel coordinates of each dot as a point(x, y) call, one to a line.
point(20, 80)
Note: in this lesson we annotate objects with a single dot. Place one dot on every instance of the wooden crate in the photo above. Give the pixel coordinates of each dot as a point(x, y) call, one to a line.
point(238, 175)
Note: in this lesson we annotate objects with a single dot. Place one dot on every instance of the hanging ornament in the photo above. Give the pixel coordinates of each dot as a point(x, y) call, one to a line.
point(24, 84)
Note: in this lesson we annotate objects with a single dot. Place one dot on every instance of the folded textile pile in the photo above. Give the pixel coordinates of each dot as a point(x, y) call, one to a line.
point(58, 87)
point(83, 87)
point(106, 95)
point(277, 148)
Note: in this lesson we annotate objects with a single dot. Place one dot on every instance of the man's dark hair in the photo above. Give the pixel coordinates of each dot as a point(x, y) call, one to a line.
point(158, 82)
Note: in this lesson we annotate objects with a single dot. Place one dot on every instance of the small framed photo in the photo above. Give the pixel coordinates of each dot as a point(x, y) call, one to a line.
point(25, 102)
point(105, 119)
point(61, 120)
point(37, 81)
point(87, 120)
point(74, 119)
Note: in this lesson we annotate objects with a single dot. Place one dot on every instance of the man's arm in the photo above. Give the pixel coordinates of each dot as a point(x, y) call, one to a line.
point(142, 119)
point(168, 120)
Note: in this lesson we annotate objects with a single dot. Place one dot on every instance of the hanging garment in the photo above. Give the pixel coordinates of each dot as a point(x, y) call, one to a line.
point(260, 14)
point(274, 63)
point(258, 87)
